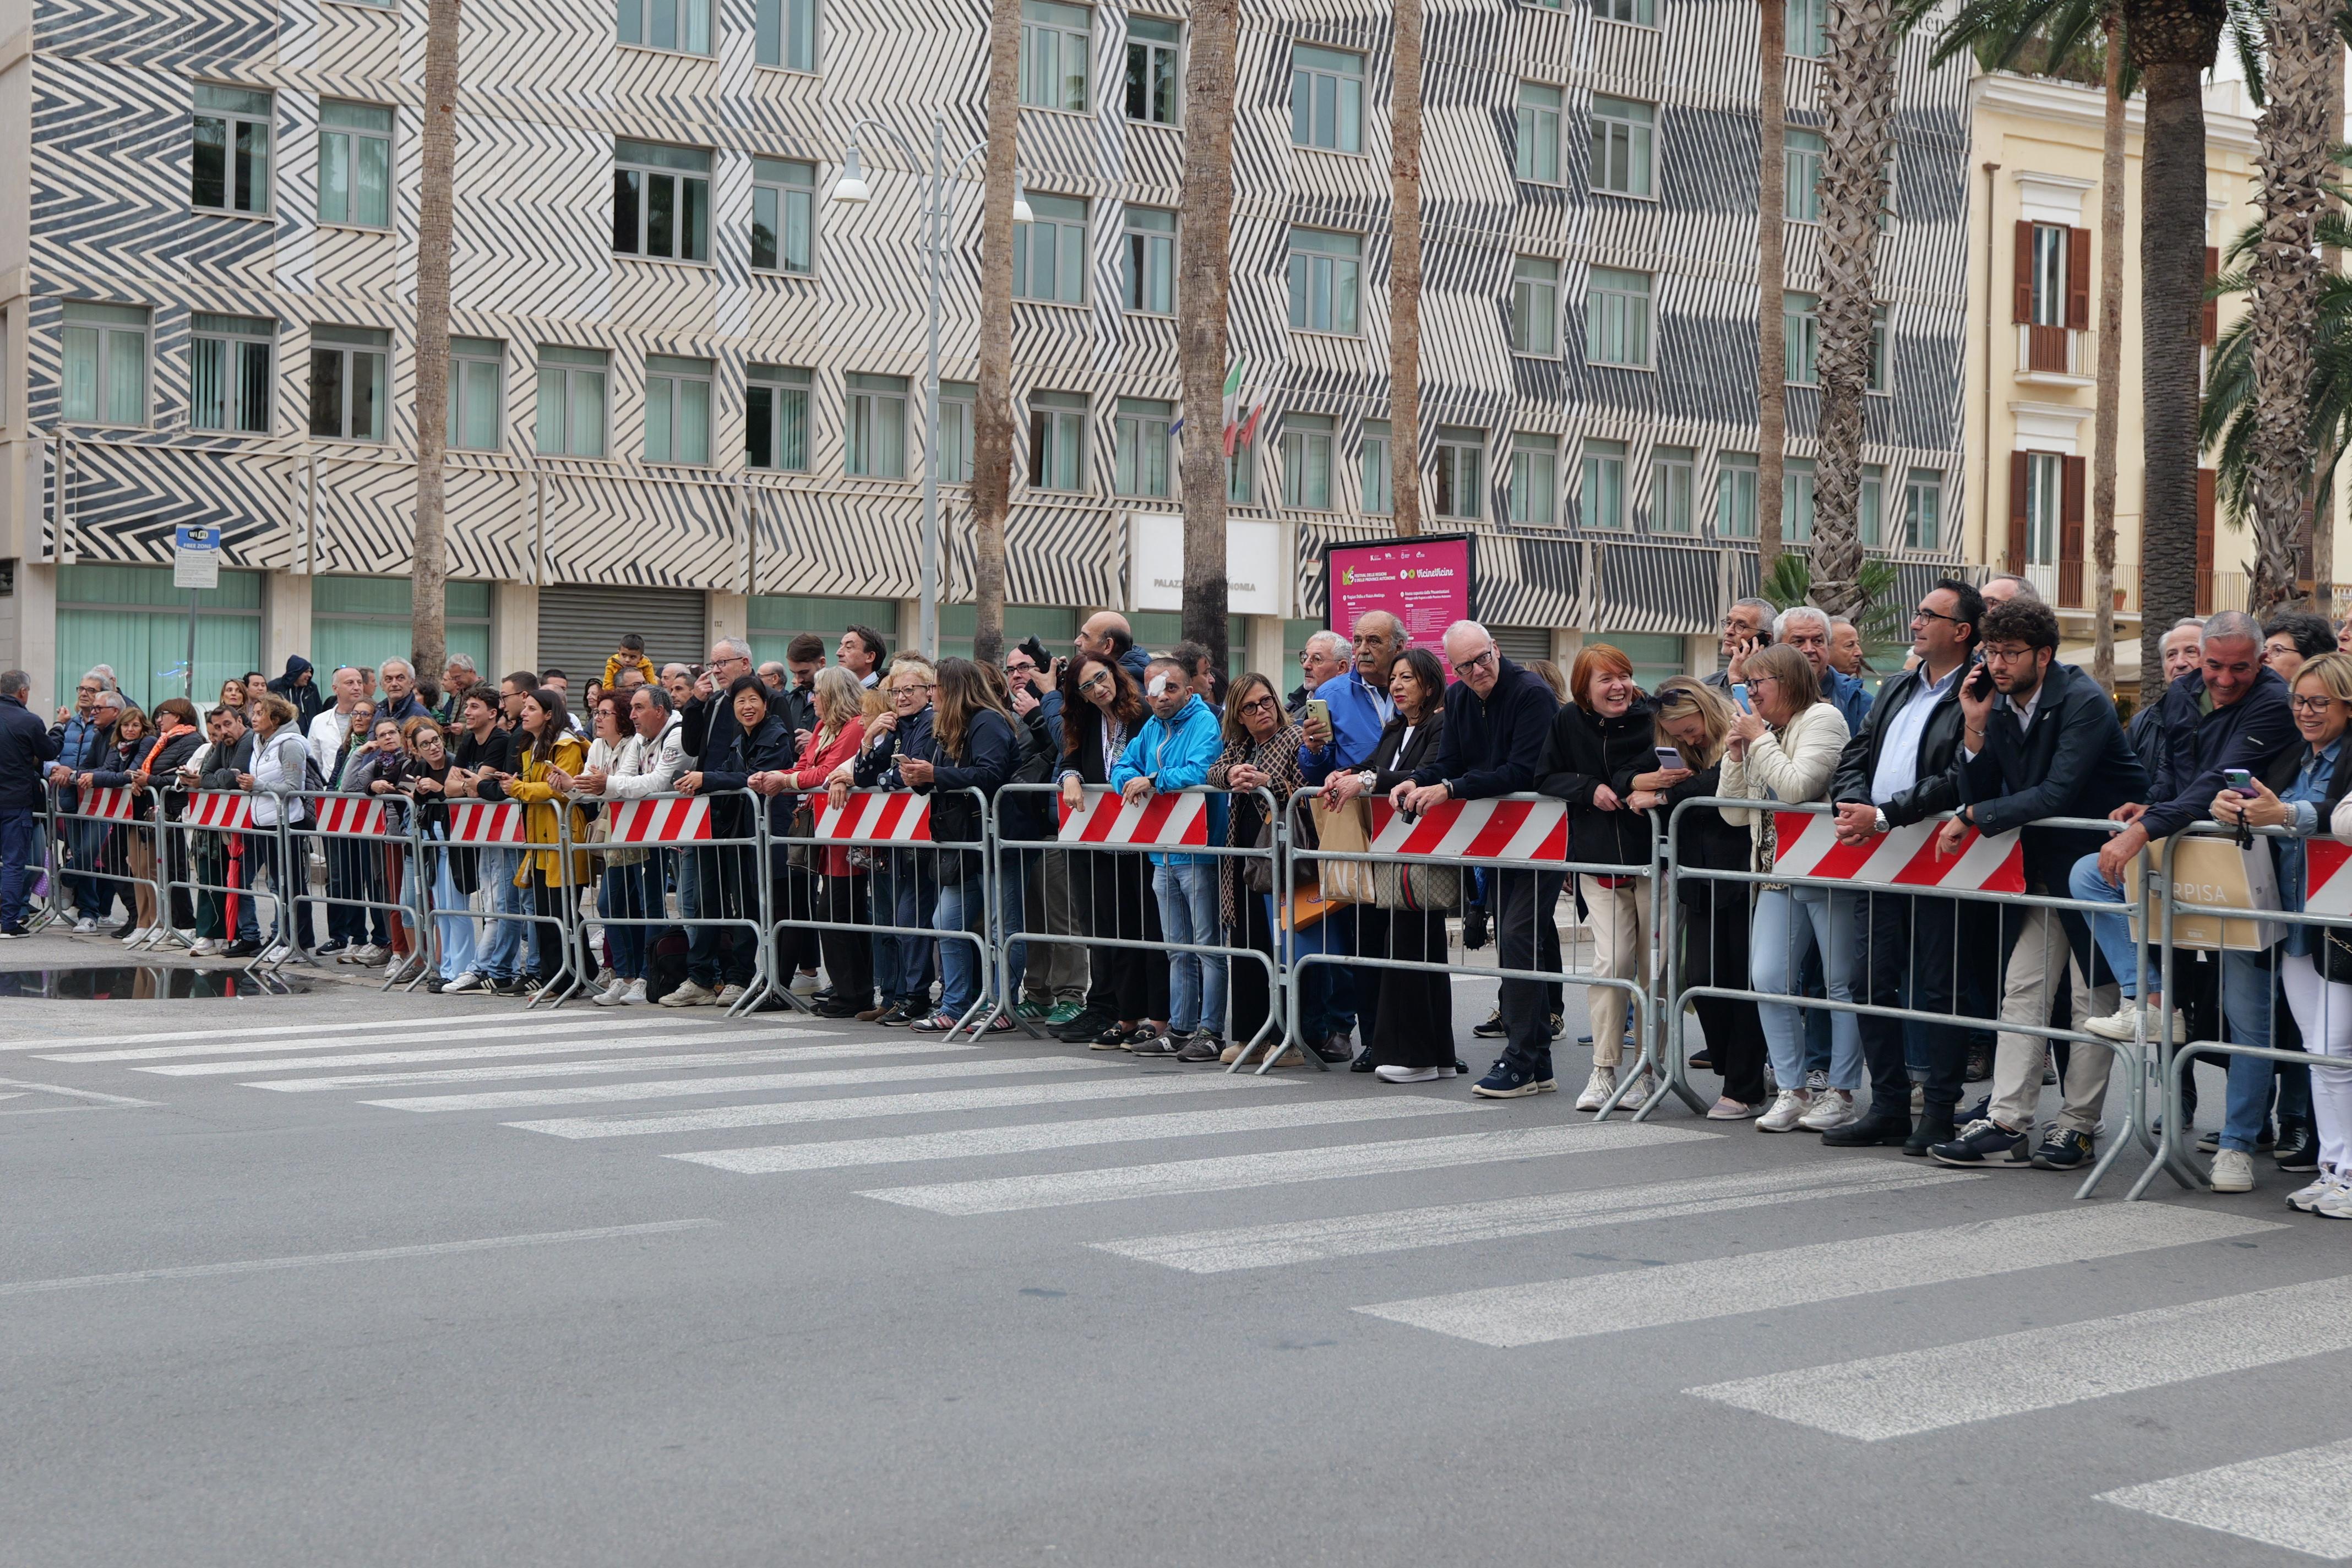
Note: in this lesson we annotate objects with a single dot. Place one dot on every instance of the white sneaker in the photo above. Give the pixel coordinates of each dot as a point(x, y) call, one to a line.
point(635, 996)
point(1639, 1094)
point(469, 981)
point(1410, 1075)
point(2127, 1022)
point(729, 995)
point(1788, 1111)
point(804, 984)
point(2337, 1201)
point(85, 926)
point(138, 936)
point(2233, 1171)
point(2305, 1200)
point(1817, 1083)
point(371, 955)
point(613, 995)
point(204, 947)
point(1830, 1108)
point(690, 995)
point(1597, 1088)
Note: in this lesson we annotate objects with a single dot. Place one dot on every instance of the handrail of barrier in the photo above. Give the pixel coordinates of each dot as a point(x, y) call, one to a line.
point(900, 822)
point(675, 823)
point(116, 807)
point(226, 815)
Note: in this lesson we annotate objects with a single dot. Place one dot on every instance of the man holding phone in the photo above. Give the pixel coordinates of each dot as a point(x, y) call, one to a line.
point(1343, 722)
point(1746, 627)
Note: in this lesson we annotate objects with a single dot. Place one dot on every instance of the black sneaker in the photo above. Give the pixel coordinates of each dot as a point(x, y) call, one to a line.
point(903, 1014)
point(2297, 1148)
point(1980, 1111)
point(1507, 1079)
point(512, 986)
point(1166, 1044)
point(1494, 1029)
point(1111, 1037)
point(2063, 1151)
point(1986, 1146)
point(241, 949)
point(834, 1008)
point(1082, 1028)
point(434, 984)
point(1978, 1068)
point(1205, 1045)
point(330, 947)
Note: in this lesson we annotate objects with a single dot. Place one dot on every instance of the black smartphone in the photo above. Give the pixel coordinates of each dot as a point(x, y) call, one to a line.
point(1980, 681)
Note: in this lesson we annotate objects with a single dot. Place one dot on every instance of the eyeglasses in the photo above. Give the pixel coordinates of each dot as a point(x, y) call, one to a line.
point(1263, 704)
point(1021, 666)
point(2010, 655)
point(1094, 682)
point(85, 690)
point(2310, 704)
point(1924, 613)
point(1474, 660)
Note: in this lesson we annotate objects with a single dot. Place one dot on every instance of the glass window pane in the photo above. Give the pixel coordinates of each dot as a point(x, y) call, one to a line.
point(1351, 114)
point(800, 231)
point(369, 390)
point(800, 52)
point(698, 27)
point(694, 422)
point(252, 166)
point(1346, 275)
point(552, 403)
point(627, 183)
point(371, 182)
point(208, 383)
point(890, 437)
point(658, 419)
point(792, 430)
point(586, 436)
point(326, 391)
point(478, 381)
point(663, 33)
point(763, 227)
point(80, 395)
point(759, 426)
point(1072, 268)
point(661, 214)
point(694, 241)
point(208, 167)
point(629, 22)
point(334, 176)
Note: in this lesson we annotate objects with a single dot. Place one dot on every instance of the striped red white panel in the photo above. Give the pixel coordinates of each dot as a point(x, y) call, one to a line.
point(218, 808)
point(110, 805)
point(1163, 822)
point(485, 822)
point(2328, 891)
point(352, 817)
point(685, 821)
point(1475, 830)
point(1906, 857)
point(878, 815)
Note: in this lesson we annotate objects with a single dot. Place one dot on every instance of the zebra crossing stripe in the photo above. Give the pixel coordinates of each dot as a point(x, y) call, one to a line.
point(2302, 1501)
point(524, 1048)
point(680, 1087)
point(980, 1142)
point(331, 1036)
point(788, 1112)
point(1903, 1394)
point(600, 1065)
point(1005, 1195)
point(252, 1032)
point(1448, 1224)
point(1512, 1316)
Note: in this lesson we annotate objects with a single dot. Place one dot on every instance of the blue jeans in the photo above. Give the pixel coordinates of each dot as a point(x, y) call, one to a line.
point(1188, 913)
point(630, 893)
point(1793, 924)
point(2247, 991)
point(500, 953)
point(2112, 932)
point(19, 841)
point(902, 897)
point(86, 842)
point(963, 907)
point(457, 929)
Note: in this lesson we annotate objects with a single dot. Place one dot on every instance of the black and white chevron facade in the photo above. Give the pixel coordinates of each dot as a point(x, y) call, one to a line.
point(547, 90)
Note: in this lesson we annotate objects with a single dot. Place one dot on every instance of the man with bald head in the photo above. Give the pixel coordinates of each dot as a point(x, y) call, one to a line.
point(1107, 635)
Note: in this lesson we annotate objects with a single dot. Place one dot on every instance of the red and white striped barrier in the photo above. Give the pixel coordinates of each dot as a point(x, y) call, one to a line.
point(879, 815)
point(352, 817)
point(107, 804)
point(223, 809)
point(486, 822)
point(1163, 822)
point(684, 821)
point(1473, 830)
point(2326, 890)
point(1904, 858)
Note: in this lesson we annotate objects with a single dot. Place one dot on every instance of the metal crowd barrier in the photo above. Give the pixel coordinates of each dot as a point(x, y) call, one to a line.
point(662, 823)
point(215, 834)
point(109, 817)
point(898, 822)
point(375, 827)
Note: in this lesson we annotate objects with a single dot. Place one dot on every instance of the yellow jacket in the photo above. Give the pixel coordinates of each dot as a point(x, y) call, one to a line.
point(612, 668)
point(539, 817)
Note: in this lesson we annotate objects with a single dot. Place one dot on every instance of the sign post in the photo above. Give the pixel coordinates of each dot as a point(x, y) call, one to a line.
point(195, 566)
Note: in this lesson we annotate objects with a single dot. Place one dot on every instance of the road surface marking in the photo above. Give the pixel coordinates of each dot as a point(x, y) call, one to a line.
point(2302, 1501)
point(512, 1048)
point(331, 1036)
point(614, 1064)
point(679, 1088)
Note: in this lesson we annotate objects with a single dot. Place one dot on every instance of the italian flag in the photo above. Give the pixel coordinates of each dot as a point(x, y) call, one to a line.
point(1242, 415)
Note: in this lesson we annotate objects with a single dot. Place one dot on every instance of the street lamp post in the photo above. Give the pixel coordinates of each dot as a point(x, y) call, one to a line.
point(850, 187)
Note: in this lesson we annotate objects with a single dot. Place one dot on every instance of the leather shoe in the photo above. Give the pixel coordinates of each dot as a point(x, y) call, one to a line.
point(1336, 1049)
point(1934, 1126)
point(2297, 1148)
point(1872, 1130)
point(1363, 1062)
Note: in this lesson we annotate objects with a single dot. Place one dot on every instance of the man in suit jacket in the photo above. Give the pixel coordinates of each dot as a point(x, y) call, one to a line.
point(2043, 742)
point(1898, 771)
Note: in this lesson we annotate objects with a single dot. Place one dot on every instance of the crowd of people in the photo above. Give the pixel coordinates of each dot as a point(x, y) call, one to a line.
point(1858, 1013)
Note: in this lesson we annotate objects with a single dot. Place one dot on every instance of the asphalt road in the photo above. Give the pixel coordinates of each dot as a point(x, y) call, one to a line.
point(422, 1280)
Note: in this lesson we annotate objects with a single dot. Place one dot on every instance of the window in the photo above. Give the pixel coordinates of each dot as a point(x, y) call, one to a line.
point(661, 201)
point(677, 409)
point(1535, 306)
point(1640, 12)
point(1142, 435)
point(1800, 338)
point(1624, 146)
point(1878, 342)
point(1326, 280)
point(1307, 445)
point(349, 383)
point(1602, 503)
point(1049, 251)
point(1057, 440)
point(2048, 259)
point(783, 34)
point(1326, 98)
point(680, 25)
point(1148, 261)
point(1673, 480)
point(2044, 506)
point(1461, 472)
point(571, 401)
point(135, 619)
point(1808, 27)
point(1617, 317)
point(105, 369)
point(1379, 473)
point(959, 415)
point(1241, 476)
point(1153, 81)
point(1922, 511)
point(1054, 55)
point(783, 216)
point(229, 373)
point(1796, 500)
point(1735, 495)
point(1537, 151)
point(1535, 480)
point(366, 620)
point(875, 441)
point(1870, 508)
point(477, 393)
point(229, 171)
point(1800, 163)
point(355, 164)
point(7, 374)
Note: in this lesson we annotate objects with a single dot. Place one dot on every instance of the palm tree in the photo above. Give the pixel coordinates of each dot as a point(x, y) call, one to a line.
point(1205, 227)
point(1858, 90)
point(1405, 274)
point(1772, 275)
point(991, 435)
point(427, 628)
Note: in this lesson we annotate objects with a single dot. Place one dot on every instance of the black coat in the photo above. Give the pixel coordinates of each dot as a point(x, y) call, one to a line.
point(2075, 762)
point(707, 726)
point(1585, 752)
point(1933, 787)
point(305, 695)
point(1394, 760)
point(1082, 722)
point(767, 748)
point(1492, 745)
point(1706, 842)
point(2201, 745)
point(26, 747)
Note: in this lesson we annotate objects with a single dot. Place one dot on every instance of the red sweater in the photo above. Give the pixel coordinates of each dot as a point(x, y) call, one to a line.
point(816, 760)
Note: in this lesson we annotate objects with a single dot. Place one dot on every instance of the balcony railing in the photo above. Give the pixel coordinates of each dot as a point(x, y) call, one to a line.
point(2053, 352)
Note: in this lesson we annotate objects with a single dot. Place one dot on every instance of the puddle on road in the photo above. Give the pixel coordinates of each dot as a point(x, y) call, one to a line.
point(141, 982)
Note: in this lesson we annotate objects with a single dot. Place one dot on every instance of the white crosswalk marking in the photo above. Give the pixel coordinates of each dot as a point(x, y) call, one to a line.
point(1928, 1389)
point(1511, 1316)
point(331, 1036)
point(780, 1113)
point(1006, 1193)
point(582, 1068)
point(511, 1048)
point(2302, 1501)
point(1448, 1225)
point(979, 1143)
point(680, 1087)
point(241, 1032)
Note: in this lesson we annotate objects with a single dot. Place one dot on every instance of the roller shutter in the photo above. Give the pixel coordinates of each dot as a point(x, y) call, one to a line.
point(1522, 645)
point(580, 627)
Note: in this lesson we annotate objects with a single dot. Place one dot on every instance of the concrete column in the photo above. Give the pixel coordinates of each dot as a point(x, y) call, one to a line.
point(908, 632)
point(285, 622)
point(725, 616)
point(1701, 654)
point(1566, 643)
point(1265, 650)
point(28, 635)
point(514, 628)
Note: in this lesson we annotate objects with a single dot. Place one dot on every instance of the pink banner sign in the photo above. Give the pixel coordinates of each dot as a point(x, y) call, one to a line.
point(1425, 582)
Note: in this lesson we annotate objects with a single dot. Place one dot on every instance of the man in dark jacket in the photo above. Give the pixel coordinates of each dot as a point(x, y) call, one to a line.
point(1898, 771)
point(2183, 648)
point(299, 686)
point(229, 753)
point(25, 745)
point(1498, 720)
point(2043, 742)
point(85, 735)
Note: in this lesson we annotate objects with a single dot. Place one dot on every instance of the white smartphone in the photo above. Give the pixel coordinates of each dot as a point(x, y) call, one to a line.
point(1669, 759)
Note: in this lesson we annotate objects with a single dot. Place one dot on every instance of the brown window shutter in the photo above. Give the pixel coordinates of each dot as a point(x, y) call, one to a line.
point(2022, 282)
point(2209, 330)
point(2019, 466)
point(2078, 279)
point(2072, 487)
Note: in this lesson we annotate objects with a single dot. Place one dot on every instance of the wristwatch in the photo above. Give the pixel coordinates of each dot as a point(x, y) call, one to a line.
point(1369, 779)
point(1881, 824)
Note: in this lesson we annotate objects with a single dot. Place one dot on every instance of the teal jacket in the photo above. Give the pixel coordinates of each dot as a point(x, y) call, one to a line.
point(1177, 754)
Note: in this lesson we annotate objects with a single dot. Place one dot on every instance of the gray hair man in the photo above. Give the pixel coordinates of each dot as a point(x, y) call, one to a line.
point(1324, 659)
point(1808, 631)
point(25, 744)
point(400, 692)
point(1745, 629)
point(2003, 586)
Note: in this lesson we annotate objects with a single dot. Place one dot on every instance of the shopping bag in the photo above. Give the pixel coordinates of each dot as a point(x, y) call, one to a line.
point(2213, 871)
point(1348, 831)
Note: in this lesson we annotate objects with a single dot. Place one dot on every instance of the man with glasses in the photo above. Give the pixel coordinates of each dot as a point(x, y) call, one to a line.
point(905, 890)
point(1323, 659)
point(1498, 720)
point(706, 729)
point(83, 735)
point(1898, 770)
point(1357, 708)
point(1746, 627)
point(2043, 743)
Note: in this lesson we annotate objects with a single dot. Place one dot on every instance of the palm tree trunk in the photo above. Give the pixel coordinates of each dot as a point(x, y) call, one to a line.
point(2322, 503)
point(1404, 273)
point(1858, 83)
point(2293, 160)
point(1204, 225)
point(2109, 394)
point(991, 435)
point(1771, 249)
point(428, 634)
